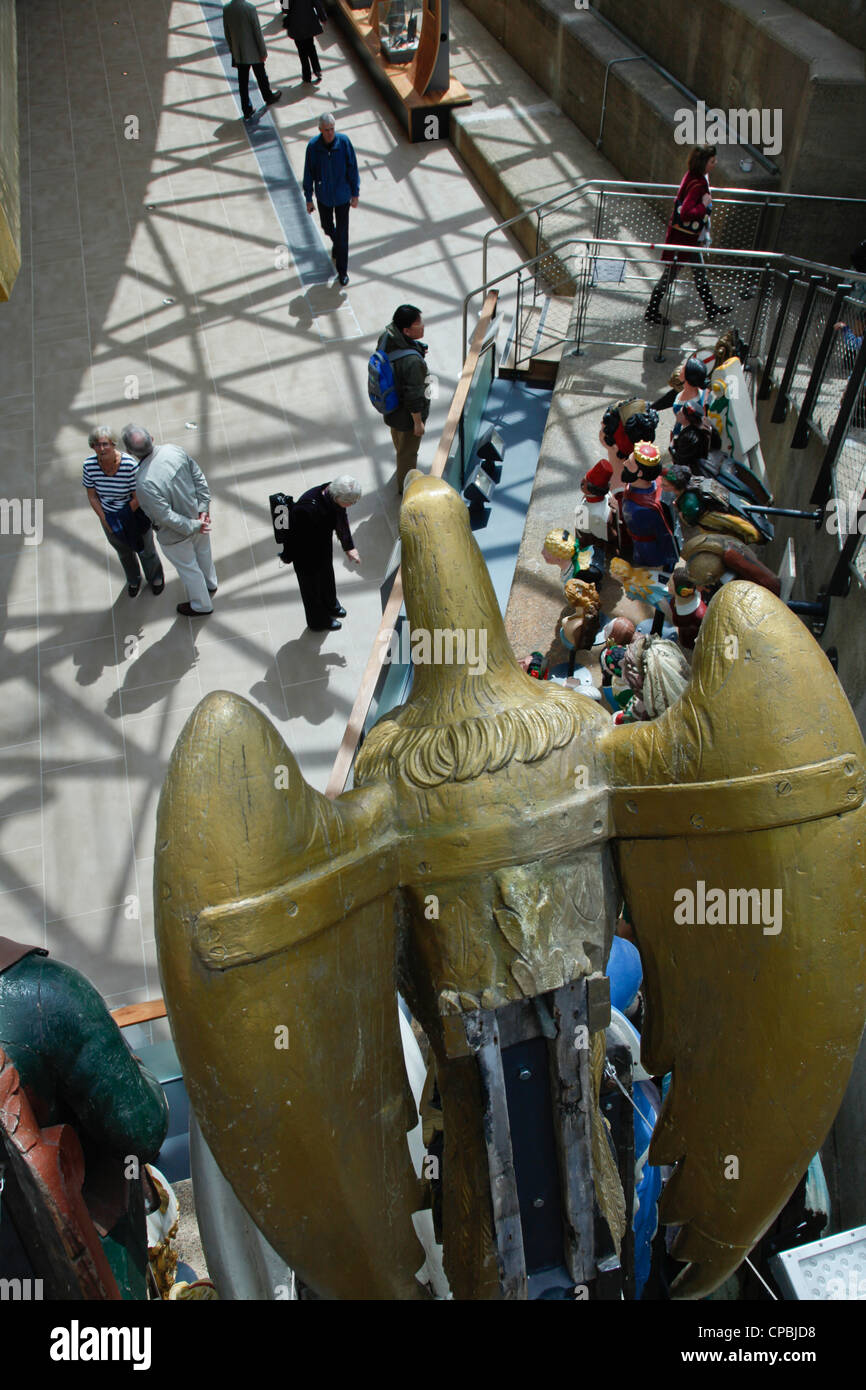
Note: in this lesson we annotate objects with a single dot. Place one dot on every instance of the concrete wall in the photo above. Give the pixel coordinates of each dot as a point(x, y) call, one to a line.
point(10, 208)
point(732, 54)
point(847, 18)
point(742, 55)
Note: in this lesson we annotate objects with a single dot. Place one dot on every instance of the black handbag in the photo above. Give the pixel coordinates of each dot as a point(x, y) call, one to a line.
point(281, 519)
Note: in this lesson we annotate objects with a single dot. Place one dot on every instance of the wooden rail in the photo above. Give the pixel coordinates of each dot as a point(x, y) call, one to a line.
point(369, 680)
point(139, 1013)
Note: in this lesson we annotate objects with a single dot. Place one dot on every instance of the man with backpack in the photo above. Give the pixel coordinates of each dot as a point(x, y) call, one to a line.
point(398, 385)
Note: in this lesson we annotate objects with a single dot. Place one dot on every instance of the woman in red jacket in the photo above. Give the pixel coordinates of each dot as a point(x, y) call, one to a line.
point(689, 226)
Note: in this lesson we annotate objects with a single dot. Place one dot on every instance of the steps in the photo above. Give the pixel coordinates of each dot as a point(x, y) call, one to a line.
point(535, 346)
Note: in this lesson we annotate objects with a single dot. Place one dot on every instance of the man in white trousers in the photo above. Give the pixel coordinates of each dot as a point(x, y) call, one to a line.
point(172, 490)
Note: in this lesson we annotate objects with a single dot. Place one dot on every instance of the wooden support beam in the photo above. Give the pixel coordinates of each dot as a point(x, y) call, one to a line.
point(572, 1109)
point(139, 1013)
point(483, 1037)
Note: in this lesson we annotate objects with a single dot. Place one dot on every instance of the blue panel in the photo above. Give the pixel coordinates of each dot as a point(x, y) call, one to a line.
point(519, 413)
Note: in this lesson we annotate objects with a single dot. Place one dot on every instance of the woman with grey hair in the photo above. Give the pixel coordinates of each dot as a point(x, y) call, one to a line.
point(315, 517)
point(109, 477)
point(346, 490)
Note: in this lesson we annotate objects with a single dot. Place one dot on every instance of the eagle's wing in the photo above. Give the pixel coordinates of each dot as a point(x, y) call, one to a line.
point(276, 946)
point(754, 779)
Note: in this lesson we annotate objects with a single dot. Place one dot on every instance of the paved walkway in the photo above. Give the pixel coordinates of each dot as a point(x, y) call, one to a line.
point(166, 280)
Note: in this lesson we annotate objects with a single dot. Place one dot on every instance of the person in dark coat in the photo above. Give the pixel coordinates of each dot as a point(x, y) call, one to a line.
point(689, 225)
point(315, 517)
point(243, 34)
point(302, 21)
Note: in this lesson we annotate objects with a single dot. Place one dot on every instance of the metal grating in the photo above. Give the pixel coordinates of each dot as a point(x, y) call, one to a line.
point(616, 308)
point(809, 348)
point(792, 318)
point(849, 483)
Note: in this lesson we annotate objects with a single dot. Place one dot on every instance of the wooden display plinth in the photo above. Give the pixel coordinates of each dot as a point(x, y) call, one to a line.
point(424, 116)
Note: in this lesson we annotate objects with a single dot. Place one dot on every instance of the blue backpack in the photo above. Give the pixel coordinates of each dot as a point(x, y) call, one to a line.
point(381, 386)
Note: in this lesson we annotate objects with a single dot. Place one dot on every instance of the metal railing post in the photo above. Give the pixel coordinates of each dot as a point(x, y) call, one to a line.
point(582, 303)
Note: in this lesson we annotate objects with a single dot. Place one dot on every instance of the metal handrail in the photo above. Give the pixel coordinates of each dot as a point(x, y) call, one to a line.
point(768, 164)
point(760, 195)
point(772, 259)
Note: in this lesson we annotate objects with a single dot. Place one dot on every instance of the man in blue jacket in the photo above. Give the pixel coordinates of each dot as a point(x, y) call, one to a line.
point(331, 167)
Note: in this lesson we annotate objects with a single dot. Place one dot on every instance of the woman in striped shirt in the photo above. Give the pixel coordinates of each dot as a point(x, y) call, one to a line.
point(109, 477)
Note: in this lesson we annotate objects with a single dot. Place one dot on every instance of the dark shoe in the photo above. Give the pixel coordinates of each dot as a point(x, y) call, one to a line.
point(248, 115)
point(190, 612)
point(716, 310)
point(274, 96)
point(211, 591)
point(653, 316)
point(344, 279)
point(317, 79)
point(132, 589)
point(339, 611)
point(332, 626)
point(158, 585)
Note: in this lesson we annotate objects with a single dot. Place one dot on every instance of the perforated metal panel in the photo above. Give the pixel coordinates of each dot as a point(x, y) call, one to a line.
point(831, 1270)
point(616, 309)
point(644, 217)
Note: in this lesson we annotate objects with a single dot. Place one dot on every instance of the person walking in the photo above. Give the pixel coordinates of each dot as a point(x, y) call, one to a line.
point(315, 517)
point(330, 167)
point(110, 477)
point(303, 20)
point(401, 342)
point(173, 492)
point(689, 225)
point(243, 34)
